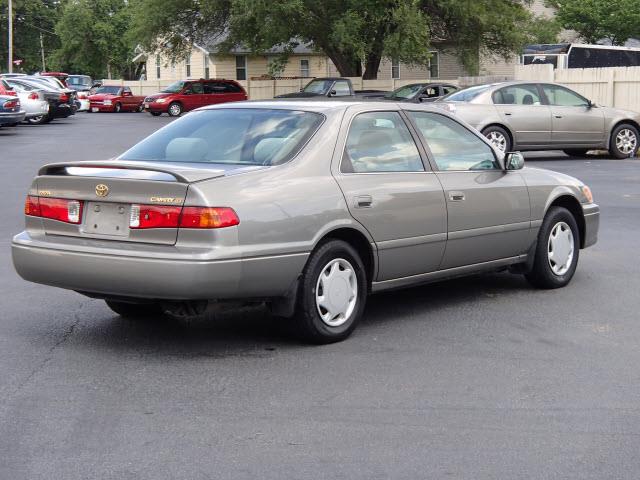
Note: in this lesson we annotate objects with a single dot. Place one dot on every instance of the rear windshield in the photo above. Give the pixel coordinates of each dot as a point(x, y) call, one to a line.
point(109, 90)
point(77, 81)
point(467, 94)
point(408, 91)
point(230, 136)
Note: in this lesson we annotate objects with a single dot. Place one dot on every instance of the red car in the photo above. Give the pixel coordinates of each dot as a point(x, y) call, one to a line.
point(114, 98)
point(187, 95)
point(6, 89)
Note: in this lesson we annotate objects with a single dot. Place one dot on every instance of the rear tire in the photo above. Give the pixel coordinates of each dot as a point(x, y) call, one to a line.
point(175, 109)
point(576, 152)
point(37, 120)
point(135, 310)
point(332, 293)
point(624, 141)
point(557, 250)
point(498, 137)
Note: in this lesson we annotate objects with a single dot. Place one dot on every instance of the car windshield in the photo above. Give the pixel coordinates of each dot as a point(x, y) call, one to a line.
point(408, 91)
point(108, 90)
point(320, 87)
point(175, 87)
point(467, 94)
point(230, 136)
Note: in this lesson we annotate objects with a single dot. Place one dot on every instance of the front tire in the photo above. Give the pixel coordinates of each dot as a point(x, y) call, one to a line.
point(333, 292)
point(498, 137)
point(135, 310)
point(175, 109)
point(557, 250)
point(117, 108)
point(624, 141)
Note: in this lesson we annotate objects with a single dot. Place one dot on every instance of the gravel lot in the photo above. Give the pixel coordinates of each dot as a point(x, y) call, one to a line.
point(480, 378)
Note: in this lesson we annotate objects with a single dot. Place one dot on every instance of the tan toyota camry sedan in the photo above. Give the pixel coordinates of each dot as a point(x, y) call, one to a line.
point(308, 206)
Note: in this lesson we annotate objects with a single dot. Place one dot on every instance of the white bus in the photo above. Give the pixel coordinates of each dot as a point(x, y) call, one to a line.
point(575, 55)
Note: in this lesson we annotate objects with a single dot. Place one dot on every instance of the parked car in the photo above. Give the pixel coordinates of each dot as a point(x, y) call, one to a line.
point(60, 76)
point(83, 85)
point(544, 116)
point(54, 82)
point(187, 95)
point(11, 113)
point(332, 87)
point(33, 102)
point(306, 205)
point(58, 100)
point(115, 98)
point(6, 89)
point(421, 92)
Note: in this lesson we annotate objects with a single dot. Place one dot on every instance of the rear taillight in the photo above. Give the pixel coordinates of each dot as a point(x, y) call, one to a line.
point(154, 216)
point(12, 93)
point(64, 97)
point(33, 96)
point(164, 216)
point(11, 104)
point(208, 217)
point(69, 211)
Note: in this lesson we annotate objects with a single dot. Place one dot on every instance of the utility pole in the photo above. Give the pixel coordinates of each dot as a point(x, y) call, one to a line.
point(44, 68)
point(10, 59)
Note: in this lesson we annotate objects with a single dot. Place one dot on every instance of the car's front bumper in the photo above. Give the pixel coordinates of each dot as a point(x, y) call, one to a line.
point(11, 117)
point(101, 107)
point(166, 272)
point(591, 213)
point(156, 107)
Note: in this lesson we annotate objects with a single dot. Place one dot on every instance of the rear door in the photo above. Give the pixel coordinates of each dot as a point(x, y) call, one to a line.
point(488, 208)
point(522, 108)
point(574, 122)
point(388, 189)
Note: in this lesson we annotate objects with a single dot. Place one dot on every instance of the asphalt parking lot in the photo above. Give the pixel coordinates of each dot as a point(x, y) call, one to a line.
point(480, 378)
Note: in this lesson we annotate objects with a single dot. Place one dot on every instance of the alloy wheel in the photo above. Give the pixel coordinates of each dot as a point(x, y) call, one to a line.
point(626, 141)
point(498, 140)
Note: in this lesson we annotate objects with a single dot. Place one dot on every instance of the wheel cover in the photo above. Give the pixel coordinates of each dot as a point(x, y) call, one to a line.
point(560, 248)
point(336, 292)
point(498, 140)
point(626, 141)
point(175, 110)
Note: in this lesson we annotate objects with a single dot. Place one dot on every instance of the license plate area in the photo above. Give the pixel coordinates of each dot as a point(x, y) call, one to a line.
point(108, 219)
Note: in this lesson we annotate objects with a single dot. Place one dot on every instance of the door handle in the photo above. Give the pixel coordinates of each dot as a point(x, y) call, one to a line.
point(456, 196)
point(507, 113)
point(363, 201)
point(558, 116)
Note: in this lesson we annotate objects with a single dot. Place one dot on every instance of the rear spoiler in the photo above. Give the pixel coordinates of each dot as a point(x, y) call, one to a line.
point(134, 170)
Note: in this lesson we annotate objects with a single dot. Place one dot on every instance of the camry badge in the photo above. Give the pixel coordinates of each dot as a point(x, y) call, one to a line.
point(102, 190)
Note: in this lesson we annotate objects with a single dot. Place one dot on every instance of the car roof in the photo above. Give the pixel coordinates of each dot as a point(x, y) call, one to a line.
point(319, 106)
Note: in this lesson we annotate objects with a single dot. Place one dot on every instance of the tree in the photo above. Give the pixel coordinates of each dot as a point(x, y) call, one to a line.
point(352, 33)
point(30, 19)
point(93, 38)
point(595, 20)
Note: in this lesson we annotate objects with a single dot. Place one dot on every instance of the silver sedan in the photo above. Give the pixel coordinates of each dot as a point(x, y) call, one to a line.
point(307, 206)
point(545, 116)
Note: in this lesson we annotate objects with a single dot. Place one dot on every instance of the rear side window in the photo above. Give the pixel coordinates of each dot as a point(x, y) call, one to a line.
point(517, 95)
point(231, 136)
point(453, 146)
point(232, 88)
point(380, 142)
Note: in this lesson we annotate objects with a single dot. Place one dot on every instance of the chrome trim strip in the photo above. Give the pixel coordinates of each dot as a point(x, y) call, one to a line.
point(408, 242)
point(475, 232)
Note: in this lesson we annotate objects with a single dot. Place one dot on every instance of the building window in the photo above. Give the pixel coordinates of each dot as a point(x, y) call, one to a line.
point(158, 67)
point(434, 65)
point(395, 69)
point(205, 61)
point(187, 62)
point(304, 68)
point(241, 67)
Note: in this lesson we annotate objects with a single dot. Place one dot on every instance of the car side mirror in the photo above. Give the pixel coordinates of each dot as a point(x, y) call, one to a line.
point(513, 161)
point(332, 93)
point(590, 104)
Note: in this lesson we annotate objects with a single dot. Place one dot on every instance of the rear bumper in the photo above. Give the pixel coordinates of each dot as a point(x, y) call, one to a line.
point(591, 224)
point(62, 110)
point(11, 118)
point(176, 275)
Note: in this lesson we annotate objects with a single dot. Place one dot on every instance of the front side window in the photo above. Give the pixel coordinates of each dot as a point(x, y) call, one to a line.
point(196, 88)
point(563, 97)
point(320, 87)
point(243, 136)
point(341, 87)
point(380, 142)
point(517, 95)
point(241, 67)
point(452, 145)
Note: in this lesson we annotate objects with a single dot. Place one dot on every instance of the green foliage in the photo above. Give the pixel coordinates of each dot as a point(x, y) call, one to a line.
point(594, 20)
point(544, 30)
point(30, 18)
point(93, 38)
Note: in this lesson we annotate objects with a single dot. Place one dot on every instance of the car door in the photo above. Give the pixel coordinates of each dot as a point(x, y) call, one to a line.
point(128, 102)
point(488, 210)
point(574, 121)
point(523, 109)
point(380, 169)
point(192, 96)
